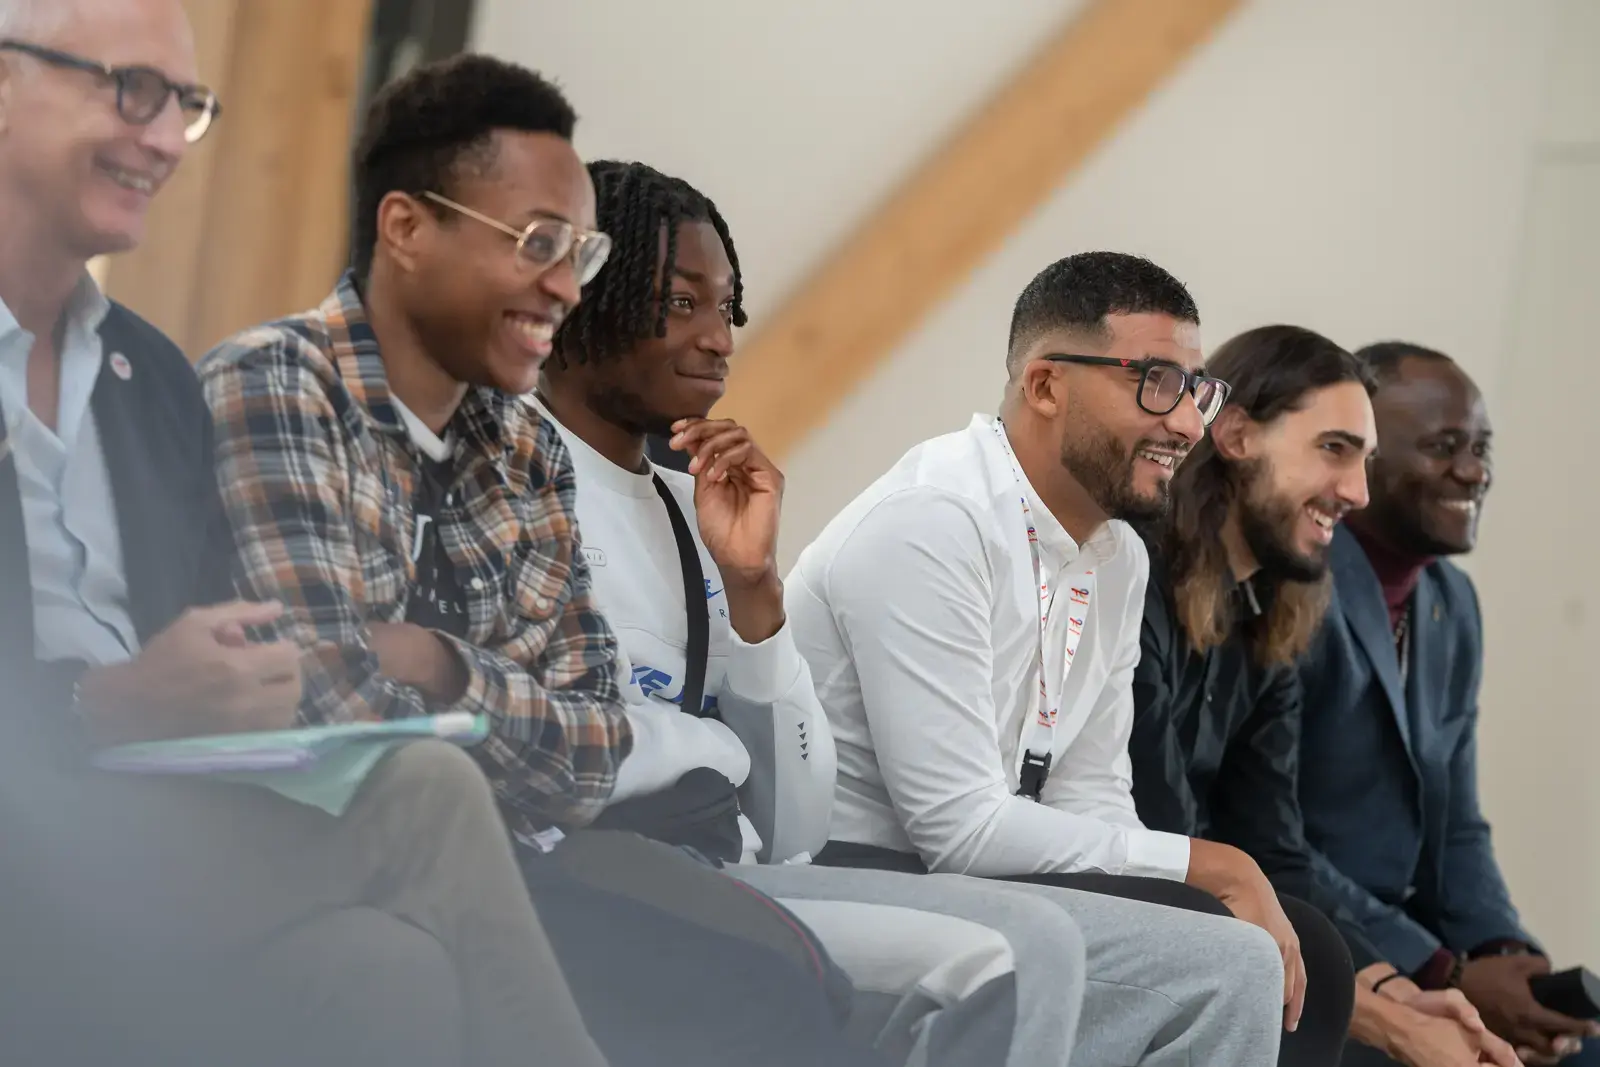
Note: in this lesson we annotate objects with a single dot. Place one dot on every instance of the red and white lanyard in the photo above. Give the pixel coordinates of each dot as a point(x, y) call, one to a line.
point(1038, 732)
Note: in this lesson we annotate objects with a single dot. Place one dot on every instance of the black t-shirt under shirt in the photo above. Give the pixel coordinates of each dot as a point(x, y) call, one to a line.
point(436, 601)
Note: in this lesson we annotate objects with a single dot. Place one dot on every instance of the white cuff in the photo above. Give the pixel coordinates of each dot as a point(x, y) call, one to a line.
point(667, 744)
point(1157, 854)
point(763, 673)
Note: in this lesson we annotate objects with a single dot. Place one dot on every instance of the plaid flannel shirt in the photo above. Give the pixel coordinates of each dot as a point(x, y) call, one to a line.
point(318, 475)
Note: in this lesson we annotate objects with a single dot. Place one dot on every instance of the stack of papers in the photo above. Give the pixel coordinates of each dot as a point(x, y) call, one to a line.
point(322, 766)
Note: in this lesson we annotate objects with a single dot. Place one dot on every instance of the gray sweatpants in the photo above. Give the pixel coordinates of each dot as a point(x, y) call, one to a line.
point(956, 972)
point(1165, 987)
point(1169, 987)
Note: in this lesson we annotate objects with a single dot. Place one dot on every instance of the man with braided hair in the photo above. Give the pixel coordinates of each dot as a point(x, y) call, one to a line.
point(646, 353)
point(608, 406)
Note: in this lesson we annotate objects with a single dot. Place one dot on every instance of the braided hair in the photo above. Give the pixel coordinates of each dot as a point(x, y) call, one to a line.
point(622, 305)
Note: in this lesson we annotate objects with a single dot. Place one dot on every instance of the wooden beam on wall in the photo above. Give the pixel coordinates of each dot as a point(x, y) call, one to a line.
point(957, 209)
point(254, 223)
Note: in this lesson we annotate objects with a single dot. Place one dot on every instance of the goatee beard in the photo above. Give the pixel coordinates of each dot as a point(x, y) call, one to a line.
point(1099, 463)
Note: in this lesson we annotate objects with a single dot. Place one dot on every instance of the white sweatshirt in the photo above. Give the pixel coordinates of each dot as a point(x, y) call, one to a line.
point(772, 740)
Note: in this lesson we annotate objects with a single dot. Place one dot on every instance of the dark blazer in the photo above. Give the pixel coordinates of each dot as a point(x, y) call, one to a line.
point(1388, 773)
point(84, 853)
point(155, 431)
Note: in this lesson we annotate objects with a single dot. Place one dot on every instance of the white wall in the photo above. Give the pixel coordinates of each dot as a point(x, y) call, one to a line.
point(796, 118)
point(1368, 168)
point(1357, 167)
point(1537, 572)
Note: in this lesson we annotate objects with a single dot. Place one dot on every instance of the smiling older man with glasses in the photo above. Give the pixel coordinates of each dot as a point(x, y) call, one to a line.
point(142, 91)
point(157, 920)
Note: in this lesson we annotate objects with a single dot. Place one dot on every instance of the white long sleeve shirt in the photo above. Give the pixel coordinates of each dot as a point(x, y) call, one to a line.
point(917, 610)
point(772, 739)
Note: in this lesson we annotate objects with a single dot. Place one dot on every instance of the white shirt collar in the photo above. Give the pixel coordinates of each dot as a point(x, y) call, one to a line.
point(1059, 546)
point(86, 309)
point(595, 468)
point(432, 445)
point(81, 358)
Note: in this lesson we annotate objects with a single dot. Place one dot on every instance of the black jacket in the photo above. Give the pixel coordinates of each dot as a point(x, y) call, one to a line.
point(1216, 747)
point(155, 430)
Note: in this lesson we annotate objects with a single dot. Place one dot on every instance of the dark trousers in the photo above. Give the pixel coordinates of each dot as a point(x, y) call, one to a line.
point(1330, 974)
point(1358, 1055)
point(669, 965)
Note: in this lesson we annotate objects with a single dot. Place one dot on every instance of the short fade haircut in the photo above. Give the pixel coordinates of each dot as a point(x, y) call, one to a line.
point(435, 124)
point(1384, 358)
point(1080, 291)
point(636, 204)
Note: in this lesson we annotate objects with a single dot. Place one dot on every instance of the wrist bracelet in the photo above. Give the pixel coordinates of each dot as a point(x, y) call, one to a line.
point(1386, 978)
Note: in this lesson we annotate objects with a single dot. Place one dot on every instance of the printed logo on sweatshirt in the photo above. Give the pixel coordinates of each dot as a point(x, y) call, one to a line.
point(654, 682)
point(712, 594)
point(594, 557)
point(419, 536)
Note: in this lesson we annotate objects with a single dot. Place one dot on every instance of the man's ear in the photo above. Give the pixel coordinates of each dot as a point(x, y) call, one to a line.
point(1233, 434)
point(1042, 388)
point(403, 225)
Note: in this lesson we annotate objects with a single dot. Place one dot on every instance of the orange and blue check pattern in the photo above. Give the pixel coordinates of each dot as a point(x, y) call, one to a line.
point(318, 475)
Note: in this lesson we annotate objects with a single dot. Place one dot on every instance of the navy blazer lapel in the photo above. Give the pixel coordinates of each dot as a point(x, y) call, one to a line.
point(117, 404)
point(1361, 599)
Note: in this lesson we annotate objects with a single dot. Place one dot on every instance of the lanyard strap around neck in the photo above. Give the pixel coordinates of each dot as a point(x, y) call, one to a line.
point(1402, 645)
point(1038, 732)
point(694, 604)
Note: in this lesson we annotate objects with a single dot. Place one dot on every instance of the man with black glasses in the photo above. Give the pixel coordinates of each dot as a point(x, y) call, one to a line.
point(972, 624)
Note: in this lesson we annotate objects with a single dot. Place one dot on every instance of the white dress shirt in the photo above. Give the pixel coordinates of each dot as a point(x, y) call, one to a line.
point(917, 610)
point(80, 591)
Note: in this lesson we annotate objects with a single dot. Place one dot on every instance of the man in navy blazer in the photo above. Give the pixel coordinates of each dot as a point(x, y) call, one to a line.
point(1388, 754)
